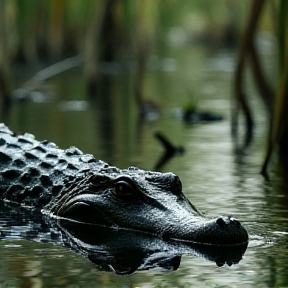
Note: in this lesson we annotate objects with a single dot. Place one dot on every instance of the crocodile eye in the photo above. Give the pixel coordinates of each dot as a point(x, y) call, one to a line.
point(123, 188)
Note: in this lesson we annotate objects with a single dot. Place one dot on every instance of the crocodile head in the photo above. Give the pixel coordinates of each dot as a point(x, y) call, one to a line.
point(150, 202)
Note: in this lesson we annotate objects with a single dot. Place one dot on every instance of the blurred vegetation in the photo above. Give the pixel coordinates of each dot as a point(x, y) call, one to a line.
point(45, 32)
point(61, 34)
point(274, 95)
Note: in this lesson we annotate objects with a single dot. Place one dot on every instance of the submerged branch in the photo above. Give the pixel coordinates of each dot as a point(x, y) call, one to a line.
point(266, 92)
point(280, 128)
point(240, 95)
point(278, 136)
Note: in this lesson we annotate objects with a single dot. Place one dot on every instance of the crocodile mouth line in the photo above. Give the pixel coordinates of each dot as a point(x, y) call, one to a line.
point(80, 209)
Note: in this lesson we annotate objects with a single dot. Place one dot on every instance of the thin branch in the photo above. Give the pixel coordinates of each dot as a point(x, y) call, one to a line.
point(37, 80)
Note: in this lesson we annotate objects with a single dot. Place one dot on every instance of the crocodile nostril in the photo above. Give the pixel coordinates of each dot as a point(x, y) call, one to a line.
point(235, 222)
point(221, 222)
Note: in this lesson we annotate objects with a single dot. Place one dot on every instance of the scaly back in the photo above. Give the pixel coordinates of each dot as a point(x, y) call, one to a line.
point(31, 172)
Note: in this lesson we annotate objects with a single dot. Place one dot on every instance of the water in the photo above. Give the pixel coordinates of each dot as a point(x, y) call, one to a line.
point(217, 177)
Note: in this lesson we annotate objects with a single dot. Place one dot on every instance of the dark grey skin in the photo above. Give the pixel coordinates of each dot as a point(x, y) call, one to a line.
point(71, 185)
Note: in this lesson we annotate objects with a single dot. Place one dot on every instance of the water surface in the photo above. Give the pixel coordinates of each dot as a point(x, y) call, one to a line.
point(217, 176)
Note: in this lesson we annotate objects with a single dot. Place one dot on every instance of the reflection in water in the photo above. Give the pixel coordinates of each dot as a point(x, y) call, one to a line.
point(125, 252)
point(119, 251)
point(170, 151)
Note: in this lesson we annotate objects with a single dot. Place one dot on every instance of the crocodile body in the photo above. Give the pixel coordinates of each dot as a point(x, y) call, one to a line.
point(68, 184)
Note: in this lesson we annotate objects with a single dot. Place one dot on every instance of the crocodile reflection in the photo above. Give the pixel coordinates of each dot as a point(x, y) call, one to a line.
point(120, 251)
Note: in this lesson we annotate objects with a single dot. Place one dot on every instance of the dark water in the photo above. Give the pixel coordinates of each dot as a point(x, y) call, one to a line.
point(217, 177)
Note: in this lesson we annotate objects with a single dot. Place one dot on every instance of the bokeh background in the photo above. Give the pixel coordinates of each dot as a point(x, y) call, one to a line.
point(114, 77)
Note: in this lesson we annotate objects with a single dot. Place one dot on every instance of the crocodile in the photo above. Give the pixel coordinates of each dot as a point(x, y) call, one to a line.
point(68, 184)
